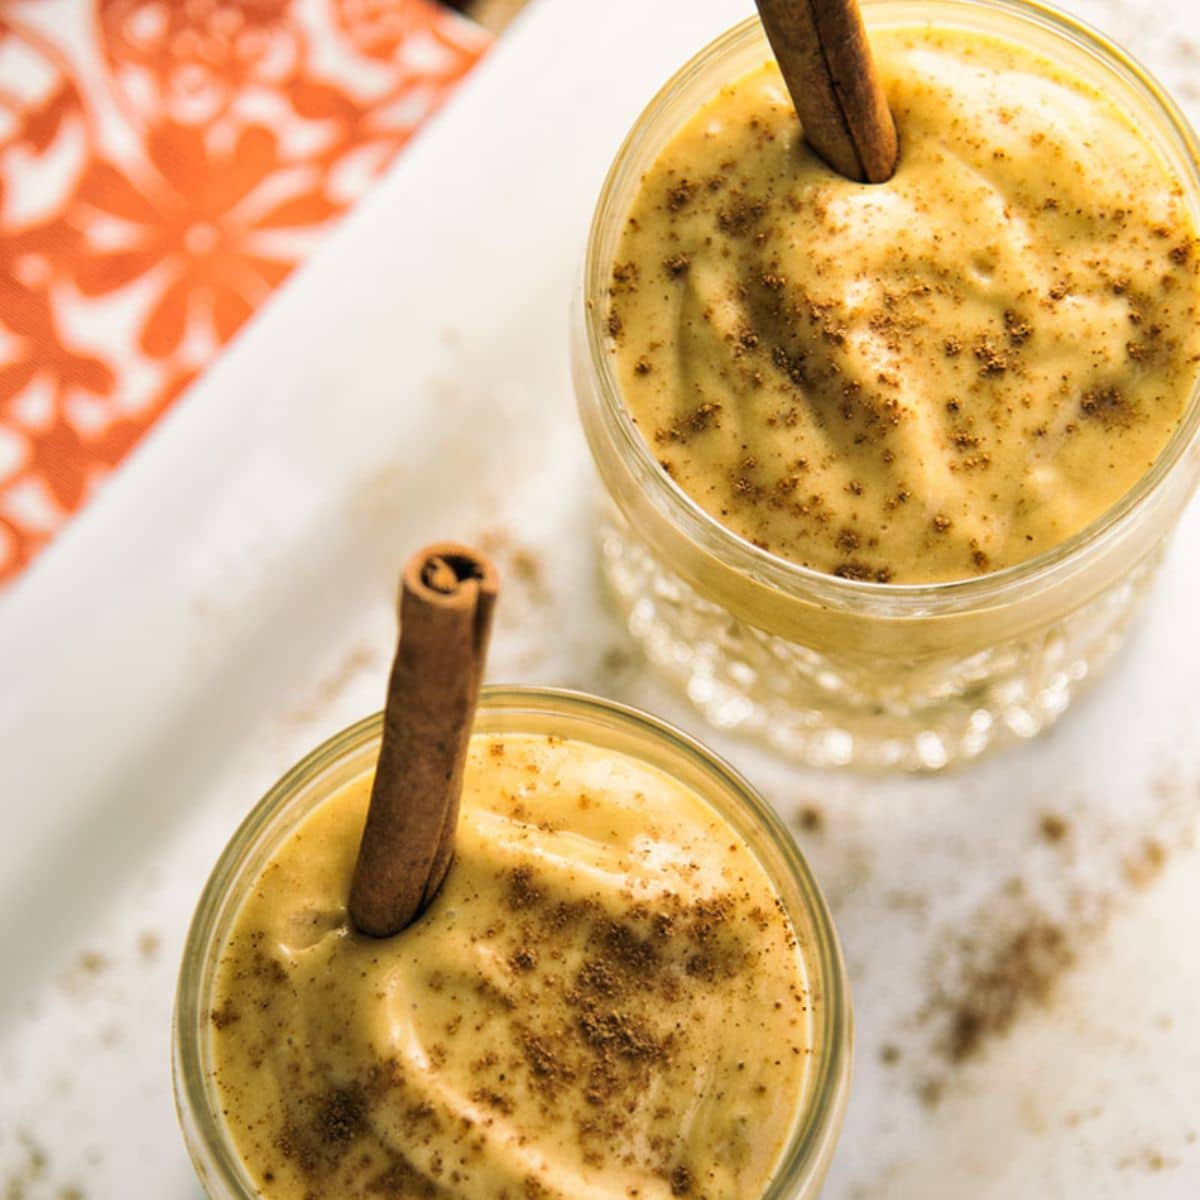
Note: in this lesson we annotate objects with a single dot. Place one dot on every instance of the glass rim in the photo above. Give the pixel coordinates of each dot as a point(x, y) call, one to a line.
point(809, 1143)
point(886, 599)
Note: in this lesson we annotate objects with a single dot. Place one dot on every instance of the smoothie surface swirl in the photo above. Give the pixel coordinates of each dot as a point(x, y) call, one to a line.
point(928, 379)
point(605, 999)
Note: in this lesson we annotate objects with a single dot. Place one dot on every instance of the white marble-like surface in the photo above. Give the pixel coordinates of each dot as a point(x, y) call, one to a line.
point(227, 602)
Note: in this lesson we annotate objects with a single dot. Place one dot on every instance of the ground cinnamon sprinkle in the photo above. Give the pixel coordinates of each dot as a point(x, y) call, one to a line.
point(1010, 957)
point(1053, 828)
point(810, 818)
point(1108, 406)
point(341, 1115)
point(739, 214)
point(1021, 970)
point(524, 959)
point(224, 1016)
point(522, 890)
point(681, 1181)
point(676, 265)
point(1018, 330)
point(992, 361)
point(702, 417)
point(680, 195)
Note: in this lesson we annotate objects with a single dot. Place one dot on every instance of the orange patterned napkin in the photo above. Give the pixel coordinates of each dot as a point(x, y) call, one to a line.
point(164, 164)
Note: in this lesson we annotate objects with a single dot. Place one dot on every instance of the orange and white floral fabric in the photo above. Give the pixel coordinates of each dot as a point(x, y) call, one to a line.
point(164, 164)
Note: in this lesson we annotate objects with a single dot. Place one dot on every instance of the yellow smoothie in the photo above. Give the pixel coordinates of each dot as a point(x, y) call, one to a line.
point(606, 999)
point(925, 380)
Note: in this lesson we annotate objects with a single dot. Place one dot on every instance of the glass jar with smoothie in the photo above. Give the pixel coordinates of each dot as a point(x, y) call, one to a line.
point(891, 466)
point(628, 984)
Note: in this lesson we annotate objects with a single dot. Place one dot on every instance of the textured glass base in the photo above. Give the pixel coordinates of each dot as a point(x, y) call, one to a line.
point(827, 712)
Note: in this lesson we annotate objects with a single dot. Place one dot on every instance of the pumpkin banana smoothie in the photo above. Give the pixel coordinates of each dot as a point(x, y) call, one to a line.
point(604, 997)
point(932, 378)
point(892, 464)
point(626, 985)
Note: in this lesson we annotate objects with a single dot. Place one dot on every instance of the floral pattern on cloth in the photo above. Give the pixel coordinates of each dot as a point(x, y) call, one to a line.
point(164, 165)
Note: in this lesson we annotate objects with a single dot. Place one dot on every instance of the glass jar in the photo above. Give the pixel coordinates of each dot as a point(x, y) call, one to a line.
point(353, 752)
point(837, 672)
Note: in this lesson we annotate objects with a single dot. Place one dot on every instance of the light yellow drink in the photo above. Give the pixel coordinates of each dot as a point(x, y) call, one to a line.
point(928, 379)
point(609, 996)
point(891, 466)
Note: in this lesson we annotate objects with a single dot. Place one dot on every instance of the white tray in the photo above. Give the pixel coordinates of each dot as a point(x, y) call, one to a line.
point(227, 602)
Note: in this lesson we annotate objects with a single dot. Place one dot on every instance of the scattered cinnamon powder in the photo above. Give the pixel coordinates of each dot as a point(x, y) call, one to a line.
point(224, 1016)
point(992, 361)
point(1053, 828)
point(1021, 970)
point(810, 819)
point(1145, 863)
point(1108, 406)
point(862, 572)
point(697, 421)
point(625, 273)
point(680, 195)
point(523, 892)
point(85, 971)
point(523, 570)
point(1012, 956)
point(681, 1181)
point(523, 959)
point(341, 1115)
point(1018, 330)
point(739, 214)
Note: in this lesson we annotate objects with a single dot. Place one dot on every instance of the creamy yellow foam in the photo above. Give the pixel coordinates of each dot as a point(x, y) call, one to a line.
point(605, 1000)
point(927, 379)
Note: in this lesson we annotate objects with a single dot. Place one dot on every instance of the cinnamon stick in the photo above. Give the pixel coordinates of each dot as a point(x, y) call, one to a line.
point(825, 57)
point(447, 595)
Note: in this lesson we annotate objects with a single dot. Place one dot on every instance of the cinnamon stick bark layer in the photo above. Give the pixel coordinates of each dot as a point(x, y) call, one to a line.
point(447, 596)
point(825, 58)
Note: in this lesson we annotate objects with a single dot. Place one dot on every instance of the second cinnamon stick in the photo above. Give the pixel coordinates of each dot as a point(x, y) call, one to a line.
point(447, 596)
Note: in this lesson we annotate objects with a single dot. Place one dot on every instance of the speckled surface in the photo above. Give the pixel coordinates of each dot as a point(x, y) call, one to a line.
point(1020, 936)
